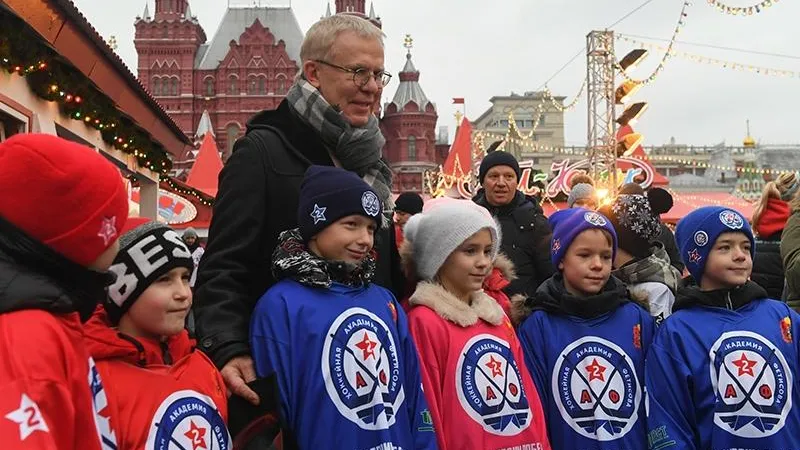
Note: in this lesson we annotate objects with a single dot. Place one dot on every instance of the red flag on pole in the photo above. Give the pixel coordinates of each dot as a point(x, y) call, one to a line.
point(458, 100)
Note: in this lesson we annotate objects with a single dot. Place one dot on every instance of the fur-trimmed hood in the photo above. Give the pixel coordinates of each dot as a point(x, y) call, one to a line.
point(552, 297)
point(450, 308)
point(506, 267)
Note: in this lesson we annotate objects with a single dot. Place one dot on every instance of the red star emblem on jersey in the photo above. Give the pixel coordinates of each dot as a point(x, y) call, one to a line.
point(367, 347)
point(197, 435)
point(108, 229)
point(495, 366)
point(595, 371)
point(745, 365)
point(694, 256)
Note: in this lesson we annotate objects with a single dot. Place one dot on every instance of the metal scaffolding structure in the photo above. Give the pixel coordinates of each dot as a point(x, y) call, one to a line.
point(601, 100)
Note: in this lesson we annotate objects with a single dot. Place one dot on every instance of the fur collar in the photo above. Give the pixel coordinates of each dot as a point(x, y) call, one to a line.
point(448, 307)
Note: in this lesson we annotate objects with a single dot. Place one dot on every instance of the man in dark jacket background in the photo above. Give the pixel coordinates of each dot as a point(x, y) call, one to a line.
point(526, 233)
point(326, 119)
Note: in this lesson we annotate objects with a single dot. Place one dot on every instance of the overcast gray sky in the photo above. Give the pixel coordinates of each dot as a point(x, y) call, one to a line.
point(477, 48)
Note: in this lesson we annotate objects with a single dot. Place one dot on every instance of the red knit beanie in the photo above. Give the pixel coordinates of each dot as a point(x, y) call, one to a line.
point(63, 194)
point(773, 219)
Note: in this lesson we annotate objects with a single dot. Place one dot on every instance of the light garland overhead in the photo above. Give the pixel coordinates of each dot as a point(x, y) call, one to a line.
point(581, 151)
point(667, 54)
point(719, 62)
point(547, 97)
point(742, 10)
point(571, 105)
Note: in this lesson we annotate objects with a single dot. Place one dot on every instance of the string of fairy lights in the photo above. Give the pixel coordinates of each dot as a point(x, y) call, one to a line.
point(732, 65)
point(667, 54)
point(690, 162)
point(742, 10)
point(571, 105)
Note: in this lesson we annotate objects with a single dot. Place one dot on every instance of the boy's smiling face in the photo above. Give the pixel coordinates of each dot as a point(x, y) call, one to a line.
point(729, 262)
point(349, 239)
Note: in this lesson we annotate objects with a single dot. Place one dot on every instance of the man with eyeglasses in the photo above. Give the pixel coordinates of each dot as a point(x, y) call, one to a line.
point(328, 118)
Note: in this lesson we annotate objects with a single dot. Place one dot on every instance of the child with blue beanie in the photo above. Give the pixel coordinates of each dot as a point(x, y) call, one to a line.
point(722, 370)
point(585, 340)
point(339, 346)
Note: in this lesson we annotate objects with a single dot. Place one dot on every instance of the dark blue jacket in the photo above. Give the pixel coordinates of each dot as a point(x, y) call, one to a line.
point(346, 365)
point(722, 373)
point(586, 356)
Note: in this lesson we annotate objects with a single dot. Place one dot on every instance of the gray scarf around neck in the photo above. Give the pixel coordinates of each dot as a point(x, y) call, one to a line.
point(357, 149)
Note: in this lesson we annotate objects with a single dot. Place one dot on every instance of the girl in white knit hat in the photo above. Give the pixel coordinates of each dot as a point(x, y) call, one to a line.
point(479, 392)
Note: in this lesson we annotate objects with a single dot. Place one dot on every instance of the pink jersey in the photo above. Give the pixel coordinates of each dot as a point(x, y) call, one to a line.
point(479, 391)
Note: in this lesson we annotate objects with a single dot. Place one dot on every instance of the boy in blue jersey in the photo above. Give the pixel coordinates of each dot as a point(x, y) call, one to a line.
point(339, 345)
point(722, 370)
point(585, 341)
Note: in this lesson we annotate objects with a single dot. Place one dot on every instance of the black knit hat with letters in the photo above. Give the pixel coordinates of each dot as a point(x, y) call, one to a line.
point(148, 250)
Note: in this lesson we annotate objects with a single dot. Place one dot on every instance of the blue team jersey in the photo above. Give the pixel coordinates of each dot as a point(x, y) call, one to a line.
point(590, 376)
point(346, 365)
point(725, 379)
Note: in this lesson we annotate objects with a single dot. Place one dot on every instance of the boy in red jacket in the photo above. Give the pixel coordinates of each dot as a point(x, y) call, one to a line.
point(161, 394)
point(62, 206)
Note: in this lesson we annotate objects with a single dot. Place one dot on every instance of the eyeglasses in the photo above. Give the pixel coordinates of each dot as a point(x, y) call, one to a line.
point(361, 76)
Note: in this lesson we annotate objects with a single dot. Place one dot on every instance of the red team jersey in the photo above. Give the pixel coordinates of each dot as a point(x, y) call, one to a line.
point(162, 394)
point(479, 392)
point(50, 391)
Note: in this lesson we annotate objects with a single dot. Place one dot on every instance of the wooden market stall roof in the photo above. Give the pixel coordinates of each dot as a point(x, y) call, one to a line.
point(65, 29)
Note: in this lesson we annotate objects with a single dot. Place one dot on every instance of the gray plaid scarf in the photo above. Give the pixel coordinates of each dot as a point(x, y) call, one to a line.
point(357, 149)
point(655, 268)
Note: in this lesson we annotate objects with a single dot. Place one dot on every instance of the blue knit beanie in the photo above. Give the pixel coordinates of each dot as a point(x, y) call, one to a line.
point(571, 223)
point(697, 232)
point(329, 193)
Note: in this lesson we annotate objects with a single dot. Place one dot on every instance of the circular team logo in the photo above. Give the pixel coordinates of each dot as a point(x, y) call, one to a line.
point(489, 386)
point(597, 389)
point(188, 420)
point(753, 384)
point(595, 219)
point(701, 238)
point(731, 219)
point(361, 369)
point(371, 204)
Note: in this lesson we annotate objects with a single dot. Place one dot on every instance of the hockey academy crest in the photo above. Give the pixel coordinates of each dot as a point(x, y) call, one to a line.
point(595, 219)
point(731, 219)
point(753, 384)
point(597, 389)
point(362, 370)
point(489, 386)
point(188, 420)
point(371, 204)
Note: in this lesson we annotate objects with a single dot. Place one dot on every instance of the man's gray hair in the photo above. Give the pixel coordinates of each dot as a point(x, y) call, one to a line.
point(319, 39)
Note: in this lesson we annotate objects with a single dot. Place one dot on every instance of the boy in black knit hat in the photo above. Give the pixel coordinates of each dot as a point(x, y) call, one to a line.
point(406, 205)
point(138, 338)
point(641, 261)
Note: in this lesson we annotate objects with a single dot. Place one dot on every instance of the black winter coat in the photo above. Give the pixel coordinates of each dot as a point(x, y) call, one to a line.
point(258, 198)
point(526, 241)
point(768, 266)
